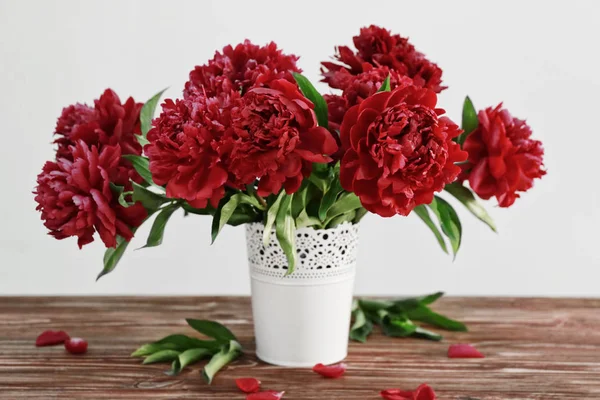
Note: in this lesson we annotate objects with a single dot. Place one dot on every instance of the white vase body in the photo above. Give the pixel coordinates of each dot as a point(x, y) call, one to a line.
point(303, 318)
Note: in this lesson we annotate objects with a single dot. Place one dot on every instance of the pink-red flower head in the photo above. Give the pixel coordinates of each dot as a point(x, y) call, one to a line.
point(185, 149)
point(275, 138)
point(398, 150)
point(75, 197)
point(503, 159)
point(240, 68)
point(376, 47)
point(109, 122)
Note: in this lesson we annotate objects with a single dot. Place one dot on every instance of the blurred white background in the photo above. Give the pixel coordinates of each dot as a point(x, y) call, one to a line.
point(540, 58)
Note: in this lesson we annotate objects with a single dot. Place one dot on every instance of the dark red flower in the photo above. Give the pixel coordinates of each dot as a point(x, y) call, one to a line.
point(398, 150)
point(51, 338)
point(378, 47)
point(423, 392)
point(463, 351)
point(330, 371)
point(108, 123)
point(185, 149)
point(503, 159)
point(240, 68)
point(75, 197)
point(248, 385)
point(356, 88)
point(275, 138)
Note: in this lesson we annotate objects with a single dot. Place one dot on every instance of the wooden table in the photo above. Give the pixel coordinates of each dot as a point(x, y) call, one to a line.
point(535, 348)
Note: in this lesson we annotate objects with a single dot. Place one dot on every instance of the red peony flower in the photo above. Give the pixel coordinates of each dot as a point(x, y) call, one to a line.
point(240, 68)
point(356, 88)
point(275, 138)
point(398, 150)
point(185, 149)
point(108, 123)
point(75, 197)
point(378, 47)
point(503, 159)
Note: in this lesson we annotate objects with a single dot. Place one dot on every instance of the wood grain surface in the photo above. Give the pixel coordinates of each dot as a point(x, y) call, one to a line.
point(535, 349)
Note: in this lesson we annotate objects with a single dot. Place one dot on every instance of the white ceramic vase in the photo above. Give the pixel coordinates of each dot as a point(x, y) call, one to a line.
point(303, 318)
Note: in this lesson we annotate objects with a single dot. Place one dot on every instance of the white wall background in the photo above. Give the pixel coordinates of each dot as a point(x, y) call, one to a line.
point(541, 58)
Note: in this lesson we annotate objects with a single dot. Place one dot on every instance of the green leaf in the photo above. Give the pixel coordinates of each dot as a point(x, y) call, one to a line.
point(119, 191)
point(285, 229)
point(212, 329)
point(189, 357)
point(361, 328)
point(422, 212)
point(149, 199)
point(142, 166)
point(271, 217)
point(385, 86)
point(243, 215)
point(424, 314)
point(340, 219)
point(360, 213)
point(397, 326)
point(304, 220)
point(426, 334)
point(430, 298)
point(183, 342)
point(227, 354)
point(449, 222)
point(469, 120)
point(227, 210)
point(198, 211)
point(302, 197)
point(151, 348)
point(330, 197)
point(155, 237)
point(345, 203)
point(147, 113)
point(161, 356)
point(411, 303)
point(223, 214)
point(467, 198)
point(313, 95)
point(177, 342)
point(112, 255)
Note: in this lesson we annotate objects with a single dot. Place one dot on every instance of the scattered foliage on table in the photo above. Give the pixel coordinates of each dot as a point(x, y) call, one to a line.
point(397, 318)
point(182, 350)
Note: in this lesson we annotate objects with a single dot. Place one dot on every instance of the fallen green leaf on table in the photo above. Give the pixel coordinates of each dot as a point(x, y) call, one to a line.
point(182, 350)
point(397, 318)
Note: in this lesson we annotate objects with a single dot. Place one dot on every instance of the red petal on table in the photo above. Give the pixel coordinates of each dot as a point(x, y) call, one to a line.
point(51, 338)
point(330, 371)
point(424, 392)
point(463, 351)
point(76, 345)
point(266, 395)
point(396, 394)
point(248, 385)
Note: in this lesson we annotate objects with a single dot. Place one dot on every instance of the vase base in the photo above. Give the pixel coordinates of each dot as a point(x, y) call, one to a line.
point(299, 364)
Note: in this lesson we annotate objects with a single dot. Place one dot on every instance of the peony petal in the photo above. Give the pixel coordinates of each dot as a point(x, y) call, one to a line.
point(330, 371)
point(248, 385)
point(349, 121)
point(396, 394)
point(51, 338)
point(377, 102)
point(463, 351)
point(266, 395)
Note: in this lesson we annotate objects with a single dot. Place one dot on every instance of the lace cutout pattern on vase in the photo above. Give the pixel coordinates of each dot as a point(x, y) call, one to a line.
point(322, 255)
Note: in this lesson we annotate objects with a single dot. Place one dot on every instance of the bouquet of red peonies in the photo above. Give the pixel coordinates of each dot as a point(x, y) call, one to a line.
point(252, 140)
